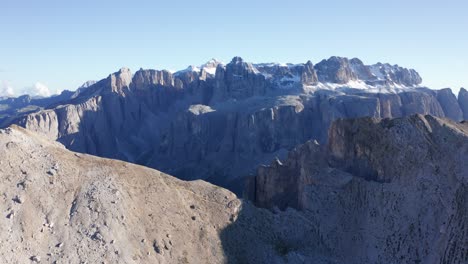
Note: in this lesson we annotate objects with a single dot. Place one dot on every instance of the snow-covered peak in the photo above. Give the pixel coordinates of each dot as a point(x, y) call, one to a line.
point(335, 72)
point(211, 63)
point(210, 66)
point(87, 84)
point(193, 68)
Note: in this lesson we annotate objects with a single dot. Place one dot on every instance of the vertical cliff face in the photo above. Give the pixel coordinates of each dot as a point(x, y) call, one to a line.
point(335, 70)
point(308, 74)
point(416, 103)
point(463, 102)
point(449, 104)
point(379, 189)
point(239, 80)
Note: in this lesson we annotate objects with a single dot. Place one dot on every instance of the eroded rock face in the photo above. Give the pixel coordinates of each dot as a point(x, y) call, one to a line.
point(341, 70)
point(308, 74)
point(239, 80)
point(463, 102)
point(448, 102)
point(254, 112)
point(392, 185)
point(335, 70)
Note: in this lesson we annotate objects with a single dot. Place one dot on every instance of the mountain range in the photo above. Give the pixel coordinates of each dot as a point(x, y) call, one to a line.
point(219, 122)
point(380, 191)
point(337, 162)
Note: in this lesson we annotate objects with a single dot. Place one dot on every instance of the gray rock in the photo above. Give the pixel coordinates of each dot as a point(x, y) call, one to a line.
point(309, 75)
point(335, 70)
point(463, 102)
point(239, 80)
point(394, 185)
point(221, 127)
point(152, 206)
point(18, 199)
point(36, 259)
point(448, 102)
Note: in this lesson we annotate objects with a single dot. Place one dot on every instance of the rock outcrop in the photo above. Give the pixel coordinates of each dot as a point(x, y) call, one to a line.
point(238, 80)
point(448, 102)
point(463, 102)
point(335, 70)
point(341, 70)
point(381, 190)
point(10, 108)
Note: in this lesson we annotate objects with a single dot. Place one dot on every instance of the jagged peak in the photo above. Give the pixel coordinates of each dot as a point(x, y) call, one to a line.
point(356, 61)
point(335, 59)
point(141, 70)
point(124, 69)
point(237, 60)
point(191, 68)
point(333, 73)
point(211, 66)
point(87, 84)
point(213, 62)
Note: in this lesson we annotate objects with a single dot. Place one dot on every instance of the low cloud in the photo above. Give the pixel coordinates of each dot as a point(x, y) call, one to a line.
point(6, 89)
point(38, 89)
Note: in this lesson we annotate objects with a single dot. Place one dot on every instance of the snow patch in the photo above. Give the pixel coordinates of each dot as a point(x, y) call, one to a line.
point(199, 109)
point(277, 64)
point(357, 85)
point(288, 81)
point(210, 70)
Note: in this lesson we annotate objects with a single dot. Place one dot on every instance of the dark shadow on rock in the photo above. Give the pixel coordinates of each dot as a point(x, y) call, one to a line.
point(261, 236)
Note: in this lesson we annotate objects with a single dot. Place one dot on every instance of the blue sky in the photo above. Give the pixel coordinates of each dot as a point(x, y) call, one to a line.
point(59, 45)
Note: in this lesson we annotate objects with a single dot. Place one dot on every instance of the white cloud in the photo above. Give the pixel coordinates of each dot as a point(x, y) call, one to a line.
point(6, 89)
point(38, 89)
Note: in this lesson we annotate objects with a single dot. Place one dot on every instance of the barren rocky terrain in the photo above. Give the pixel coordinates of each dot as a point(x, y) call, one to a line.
point(380, 191)
point(64, 207)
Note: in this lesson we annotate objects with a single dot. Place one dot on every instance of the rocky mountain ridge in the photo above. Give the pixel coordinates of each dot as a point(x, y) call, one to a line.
point(381, 191)
point(64, 207)
point(220, 126)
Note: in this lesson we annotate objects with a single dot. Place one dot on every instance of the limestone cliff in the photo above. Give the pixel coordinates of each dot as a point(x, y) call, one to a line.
point(463, 102)
point(381, 190)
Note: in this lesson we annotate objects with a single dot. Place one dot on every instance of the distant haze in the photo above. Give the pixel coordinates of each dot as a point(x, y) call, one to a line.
point(48, 46)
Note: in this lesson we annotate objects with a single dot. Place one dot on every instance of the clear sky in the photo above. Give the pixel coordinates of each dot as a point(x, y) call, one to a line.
point(60, 44)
